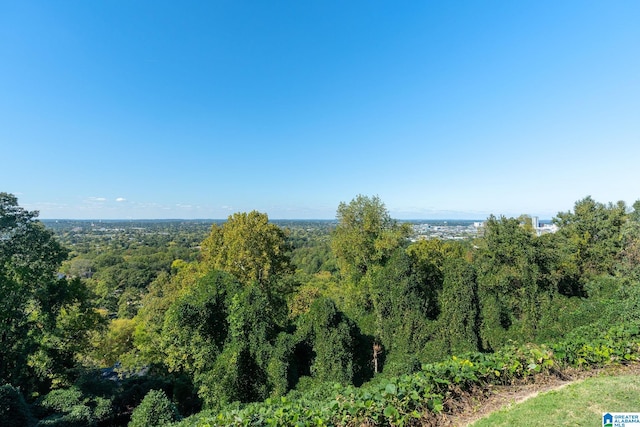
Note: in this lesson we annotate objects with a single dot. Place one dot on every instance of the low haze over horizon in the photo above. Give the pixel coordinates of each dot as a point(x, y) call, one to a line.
point(445, 110)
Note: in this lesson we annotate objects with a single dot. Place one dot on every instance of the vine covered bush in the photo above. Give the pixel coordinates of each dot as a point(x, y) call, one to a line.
point(406, 399)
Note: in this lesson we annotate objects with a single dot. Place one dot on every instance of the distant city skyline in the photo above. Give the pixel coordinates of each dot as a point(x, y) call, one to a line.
point(445, 110)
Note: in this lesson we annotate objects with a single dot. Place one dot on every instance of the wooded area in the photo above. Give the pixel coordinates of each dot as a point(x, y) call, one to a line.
point(200, 317)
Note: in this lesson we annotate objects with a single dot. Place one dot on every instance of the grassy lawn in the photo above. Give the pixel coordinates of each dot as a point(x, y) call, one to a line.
point(580, 404)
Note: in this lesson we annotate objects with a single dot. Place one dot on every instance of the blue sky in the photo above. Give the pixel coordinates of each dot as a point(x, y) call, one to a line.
point(198, 109)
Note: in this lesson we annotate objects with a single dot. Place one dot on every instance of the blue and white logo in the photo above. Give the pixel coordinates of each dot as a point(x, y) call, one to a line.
point(621, 419)
point(607, 420)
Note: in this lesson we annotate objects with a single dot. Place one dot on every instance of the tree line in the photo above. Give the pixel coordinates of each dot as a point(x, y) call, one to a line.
point(258, 311)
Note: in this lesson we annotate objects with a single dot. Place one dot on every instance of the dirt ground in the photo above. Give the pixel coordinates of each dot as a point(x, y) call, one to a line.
point(481, 402)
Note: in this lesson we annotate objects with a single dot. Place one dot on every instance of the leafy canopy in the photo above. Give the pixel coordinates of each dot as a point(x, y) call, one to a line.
point(39, 313)
point(249, 247)
point(366, 235)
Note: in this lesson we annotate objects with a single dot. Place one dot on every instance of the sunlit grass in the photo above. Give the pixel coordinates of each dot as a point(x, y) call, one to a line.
point(580, 404)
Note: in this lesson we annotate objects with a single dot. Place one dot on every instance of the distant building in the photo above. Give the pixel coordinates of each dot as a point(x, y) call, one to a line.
point(542, 228)
point(546, 228)
point(535, 223)
point(539, 228)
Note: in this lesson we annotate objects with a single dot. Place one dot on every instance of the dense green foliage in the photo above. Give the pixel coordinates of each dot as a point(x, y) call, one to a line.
point(365, 236)
point(44, 320)
point(460, 316)
point(247, 246)
point(73, 407)
point(411, 399)
point(155, 410)
point(226, 315)
point(14, 411)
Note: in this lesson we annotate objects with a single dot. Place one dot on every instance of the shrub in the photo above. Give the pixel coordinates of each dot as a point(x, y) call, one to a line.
point(13, 409)
point(73, 407)
point(155, 410)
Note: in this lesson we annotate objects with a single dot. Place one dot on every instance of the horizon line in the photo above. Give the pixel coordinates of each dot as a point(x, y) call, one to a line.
point(271, 219)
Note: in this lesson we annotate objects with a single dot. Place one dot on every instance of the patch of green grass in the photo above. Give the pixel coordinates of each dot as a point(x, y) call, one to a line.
point(580, 404)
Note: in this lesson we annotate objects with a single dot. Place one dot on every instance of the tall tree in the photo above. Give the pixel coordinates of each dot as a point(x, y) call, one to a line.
point(249, 247)
point(29, 257)
point(630, 256)
point(591, 237)
point(513, 278)
point(366, 235)
point(43, 319)
point(221, 333)
point(460, 307)
point(329, 338)
point(404, 305)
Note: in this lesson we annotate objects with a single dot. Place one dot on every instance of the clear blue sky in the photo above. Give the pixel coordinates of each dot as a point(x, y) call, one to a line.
point(198, 109)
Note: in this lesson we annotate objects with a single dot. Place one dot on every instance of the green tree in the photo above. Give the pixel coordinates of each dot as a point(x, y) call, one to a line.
point(630, 255)
point(195, 325)
point(366, 235)
point(591, 237)
point(155, 410)
point(221, 333)
point(460, 315)
point(117, 341)
point(404, 305)
point(64, 325)
point(45, 321)
point(514, 279)
point(162, 293)
point(32, 297)
point(73, 407)
point(326, 343)
point(249, 247)
point(428, 260)
point(14, 411)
